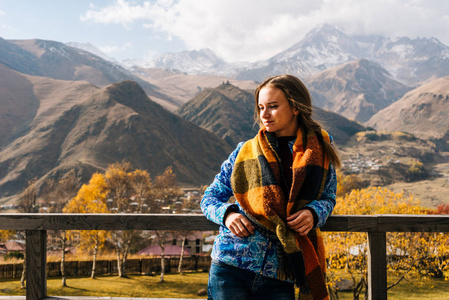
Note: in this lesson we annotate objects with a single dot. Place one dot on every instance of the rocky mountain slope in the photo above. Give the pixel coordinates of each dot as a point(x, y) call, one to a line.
point(423, 111)
point(76, 125)
point(356, 90)
point(18, 104)
point(226, 110)
point(229, 112)
point(59, 61)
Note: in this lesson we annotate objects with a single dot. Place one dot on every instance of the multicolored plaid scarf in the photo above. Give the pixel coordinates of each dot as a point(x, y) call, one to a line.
point(257, 183)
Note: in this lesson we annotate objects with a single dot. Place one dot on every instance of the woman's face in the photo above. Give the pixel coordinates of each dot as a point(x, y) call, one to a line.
point(275, 112)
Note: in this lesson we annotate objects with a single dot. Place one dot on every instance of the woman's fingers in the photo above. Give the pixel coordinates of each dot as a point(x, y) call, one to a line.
point(301, 221)
point(239, 225)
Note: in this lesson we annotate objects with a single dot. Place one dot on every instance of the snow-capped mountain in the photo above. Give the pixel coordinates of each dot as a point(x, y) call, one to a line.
point(411, 60)
point(408, 60)
point(323, 47)
point(197, 62)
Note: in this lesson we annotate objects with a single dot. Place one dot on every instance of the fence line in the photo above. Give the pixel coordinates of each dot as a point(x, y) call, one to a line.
point(36, 226)
point(141, 266)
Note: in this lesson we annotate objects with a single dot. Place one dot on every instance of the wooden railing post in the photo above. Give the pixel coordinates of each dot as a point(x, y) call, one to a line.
point(36, 264)
point(377, 265)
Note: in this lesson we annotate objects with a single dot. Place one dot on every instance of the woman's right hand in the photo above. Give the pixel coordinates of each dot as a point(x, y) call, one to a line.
point(239, 225)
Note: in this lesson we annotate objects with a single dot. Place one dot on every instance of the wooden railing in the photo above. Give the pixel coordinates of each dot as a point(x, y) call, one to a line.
point(36, 226)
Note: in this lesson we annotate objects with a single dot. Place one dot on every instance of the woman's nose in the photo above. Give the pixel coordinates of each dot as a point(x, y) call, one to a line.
point(264, 113)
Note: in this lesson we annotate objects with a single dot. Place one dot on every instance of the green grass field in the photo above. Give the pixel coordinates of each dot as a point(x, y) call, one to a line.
point(175, 286)
point(188, 285)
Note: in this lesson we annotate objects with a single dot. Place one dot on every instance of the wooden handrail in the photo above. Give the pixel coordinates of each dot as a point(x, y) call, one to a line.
point(36, 226)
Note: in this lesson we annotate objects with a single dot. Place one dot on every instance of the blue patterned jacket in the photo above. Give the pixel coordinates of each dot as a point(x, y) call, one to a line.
point(257, 252)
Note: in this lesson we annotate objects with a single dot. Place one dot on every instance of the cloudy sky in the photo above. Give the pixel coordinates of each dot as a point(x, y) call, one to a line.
point(237, 30)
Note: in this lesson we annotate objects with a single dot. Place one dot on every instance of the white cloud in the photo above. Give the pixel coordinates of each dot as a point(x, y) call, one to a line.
point(108, 49)
point(120, 12)
point(113, 49)
point(258, 29)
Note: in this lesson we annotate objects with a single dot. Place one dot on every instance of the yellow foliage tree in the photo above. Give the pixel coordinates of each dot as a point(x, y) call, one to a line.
point(415, 166)
point(123, 187)
point(438, 243)
point(6, 235)
point(121, 190)
point(347, 251)
point(91, 198)
point(347, 183)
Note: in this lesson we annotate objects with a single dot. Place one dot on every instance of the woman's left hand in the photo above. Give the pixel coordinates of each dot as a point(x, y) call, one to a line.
point(301, 221)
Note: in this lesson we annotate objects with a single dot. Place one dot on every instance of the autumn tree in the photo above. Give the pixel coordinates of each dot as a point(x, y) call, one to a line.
point(347, 251)
point(166, 189)
point(123, 187)
point(55, 195)
point(416, 170)
point(438, 248)
point(91, 198)
point(141, 185)
point(347, 183)
point(27, 199)
point(6, 235)
point(183, 234)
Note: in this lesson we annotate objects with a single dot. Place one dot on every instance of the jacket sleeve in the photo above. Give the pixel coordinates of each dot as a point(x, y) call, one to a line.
point(324, 207)
point(214, 203)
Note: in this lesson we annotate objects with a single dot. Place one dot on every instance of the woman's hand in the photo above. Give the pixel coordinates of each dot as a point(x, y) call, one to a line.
point(301, 221)
point(239, 225)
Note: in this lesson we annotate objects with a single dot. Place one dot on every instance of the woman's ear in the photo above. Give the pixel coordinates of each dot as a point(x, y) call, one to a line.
point(295, 111)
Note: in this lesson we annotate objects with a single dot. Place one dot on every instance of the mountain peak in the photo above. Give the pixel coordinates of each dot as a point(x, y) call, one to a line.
point(323, 47)
point(325, 29)
point(192, 62)
point(357, 89)
point(225, 110)
point(130, 94)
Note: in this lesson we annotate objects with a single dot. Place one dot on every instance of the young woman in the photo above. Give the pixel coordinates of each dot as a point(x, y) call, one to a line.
point(284, 184)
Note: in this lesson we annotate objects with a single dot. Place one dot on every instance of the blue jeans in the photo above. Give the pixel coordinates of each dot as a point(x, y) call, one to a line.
point(232, 283)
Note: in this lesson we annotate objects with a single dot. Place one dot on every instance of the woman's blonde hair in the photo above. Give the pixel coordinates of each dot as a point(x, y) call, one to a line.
point(298, 97)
